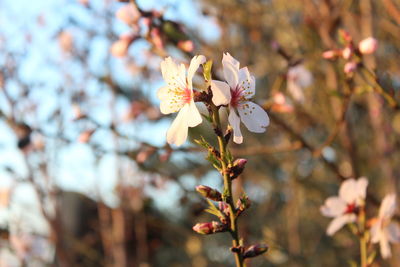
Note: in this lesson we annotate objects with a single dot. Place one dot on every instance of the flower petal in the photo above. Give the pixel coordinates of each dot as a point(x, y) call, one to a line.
point(234, 121)
point(388, 206)
point(173, 74)
point(295, 90)
point(231, 75)
point(376, 231)
point(361, 185)
point(178, 131)
point(348, 191)
point(339, 222)
point(253, 117)
point(194, 65)
point(247, 82)
point(221, 93)
point(300, 75)
point(333, 207)
point(227, 58)
point(170, 102)
point(393, 231)
point(385, 247)
point(194, 115)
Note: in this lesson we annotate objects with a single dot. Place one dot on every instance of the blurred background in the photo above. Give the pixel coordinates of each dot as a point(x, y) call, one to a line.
point(86, 176)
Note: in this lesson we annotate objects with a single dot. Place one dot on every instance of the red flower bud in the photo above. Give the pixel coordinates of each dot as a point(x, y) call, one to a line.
point(209, 192)
point(209, 228)
point(255, 250)
point(237, 168)
point(243, 204)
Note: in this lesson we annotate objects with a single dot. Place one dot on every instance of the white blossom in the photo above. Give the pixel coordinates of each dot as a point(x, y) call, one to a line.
point(344, 208)
point(237, 91)
point(177, 95)
point(298, 78)
point(383, 231)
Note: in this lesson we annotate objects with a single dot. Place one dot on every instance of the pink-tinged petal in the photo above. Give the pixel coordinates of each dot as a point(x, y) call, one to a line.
point(361, 185)
point(234, 121)
point(227, 58)
point(194, 115)
point(221, 93)
point(247, 82)
point(348, 191)
point(253, 117)
point(178, 131)
point(339, 222)
point(333, 207)
point(385, 247)
point(163, 92)
point(231, 75)
point(388, 206)
point(393, 231)
point(296, 91)
point(173, 74)
point(194, 65)
point(376, 231)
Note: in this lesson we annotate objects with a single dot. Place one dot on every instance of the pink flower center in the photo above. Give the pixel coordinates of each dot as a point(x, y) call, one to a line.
point(237, 96)
point(351, 208)
point(186, 95)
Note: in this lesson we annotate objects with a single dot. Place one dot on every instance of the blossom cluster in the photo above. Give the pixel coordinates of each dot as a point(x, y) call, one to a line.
point(347, 207)
point(235, 93)
point(351, 52)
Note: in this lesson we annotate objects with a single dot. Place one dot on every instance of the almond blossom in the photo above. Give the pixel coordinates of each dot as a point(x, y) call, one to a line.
point(237, 91)
point(344, 208)
point(383, 230)
point(298, 78)
point(178, 96)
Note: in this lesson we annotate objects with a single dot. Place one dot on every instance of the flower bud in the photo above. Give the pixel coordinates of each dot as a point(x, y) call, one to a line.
point(224, 208)
point(209, 192)
point(85, 136)
point(347, 52)
point(345, 36)
point(209, 228)
point(120, 47)
point(186, 46)
point(243, 204)
point(128, 14)
point(255, 250)
point(368, 46)
point(237, 168)
point(350, 67)
point(330, 54)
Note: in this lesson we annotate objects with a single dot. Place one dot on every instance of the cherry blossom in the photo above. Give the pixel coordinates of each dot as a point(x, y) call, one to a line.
point(237, 91)
point(298, 78)
point(178, 96)
point(344, 208)
point(383, 230)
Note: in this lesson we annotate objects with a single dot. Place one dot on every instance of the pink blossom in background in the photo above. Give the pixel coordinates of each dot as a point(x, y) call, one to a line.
point(368, 45)
point(298, 78)
point(344, 208)
point(383, 231)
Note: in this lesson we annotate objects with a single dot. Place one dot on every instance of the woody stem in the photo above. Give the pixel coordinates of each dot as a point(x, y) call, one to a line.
point(225, 162)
